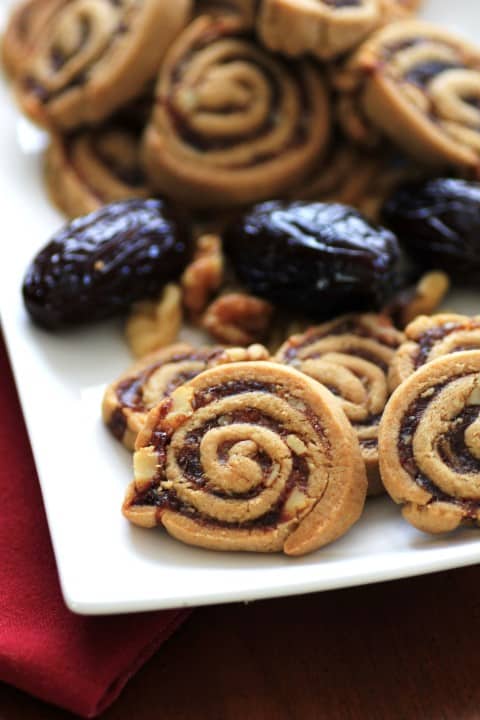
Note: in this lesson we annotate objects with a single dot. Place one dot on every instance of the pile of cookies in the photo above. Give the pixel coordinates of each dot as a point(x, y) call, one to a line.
point(237, 450)
point(221, 104)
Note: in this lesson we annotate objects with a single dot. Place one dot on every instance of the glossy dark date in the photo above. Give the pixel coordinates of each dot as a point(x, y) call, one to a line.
point(97, 265)
point(321, 259)
point(438, 223)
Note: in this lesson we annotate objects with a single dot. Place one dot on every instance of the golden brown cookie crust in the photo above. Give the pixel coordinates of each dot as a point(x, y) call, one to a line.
point(72, 78)
point(252, 456)
point(351, 356)
point(200, 155)
point(430, 337)
point(319, 27)
point(429, 442)
point(419, 84)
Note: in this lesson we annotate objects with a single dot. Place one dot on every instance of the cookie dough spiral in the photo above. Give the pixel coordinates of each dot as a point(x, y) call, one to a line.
point(128, 399)
point(351, 356)
point(430, 337)
point(325, 28)
point(24, 27)
point(420, 85)
point(429, 444)
point(91, 168)
point(248, 456)
point(232, 123)
point(95, 55)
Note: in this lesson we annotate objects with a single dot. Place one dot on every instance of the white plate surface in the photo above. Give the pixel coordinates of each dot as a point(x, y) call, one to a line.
point(106, 565)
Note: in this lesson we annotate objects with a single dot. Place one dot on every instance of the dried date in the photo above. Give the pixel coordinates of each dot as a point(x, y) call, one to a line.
point(99, 264)
point(321, 259)
point(438, 223)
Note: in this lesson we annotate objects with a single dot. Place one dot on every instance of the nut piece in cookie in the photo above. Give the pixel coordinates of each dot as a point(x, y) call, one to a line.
point(248, 456)
point(351, 356)
point(429, 444)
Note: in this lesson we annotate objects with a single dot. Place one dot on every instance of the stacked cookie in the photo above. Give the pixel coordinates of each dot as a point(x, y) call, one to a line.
point(221, 104)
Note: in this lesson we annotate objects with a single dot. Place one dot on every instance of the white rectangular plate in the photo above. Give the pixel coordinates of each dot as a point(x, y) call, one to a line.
point(106, 565)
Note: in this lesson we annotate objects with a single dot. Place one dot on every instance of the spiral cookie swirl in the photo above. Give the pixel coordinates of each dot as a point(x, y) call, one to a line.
point(126, 401)
point(429, 443)
point(325, 28)
point(95, 55)
point(24, 27)
point(232, 124)
point(428, 338)
point(354, 176)
point(420, 85)
point(350, 356)
point(92, 168)
point(248, 456)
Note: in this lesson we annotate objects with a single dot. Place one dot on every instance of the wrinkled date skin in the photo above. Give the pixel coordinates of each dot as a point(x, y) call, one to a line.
point(322, 259)
point(438, 223)
point(97, 265)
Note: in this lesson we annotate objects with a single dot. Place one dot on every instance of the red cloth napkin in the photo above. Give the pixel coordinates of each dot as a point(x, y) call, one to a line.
point(79, 663)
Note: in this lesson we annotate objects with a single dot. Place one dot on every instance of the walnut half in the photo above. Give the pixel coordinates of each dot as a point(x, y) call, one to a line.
point(238, 319)
point(155, 324)
point(204, 275)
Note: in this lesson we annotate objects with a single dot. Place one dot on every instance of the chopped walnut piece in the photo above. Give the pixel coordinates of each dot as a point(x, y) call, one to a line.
point(238, 319)
point(155, 324)
point(204, 275)
point(423, 299)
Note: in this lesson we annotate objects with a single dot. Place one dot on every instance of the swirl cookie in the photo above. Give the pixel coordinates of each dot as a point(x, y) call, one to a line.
point(355, 176)
point(24, 28)
point(350, 356)
point(232, 123)
point(93, 56)
point(428, 338)
point(248, 456)
point(420, 85)
point(127, 401)
point(325, 28)
point(92, 168)
point(429, 443)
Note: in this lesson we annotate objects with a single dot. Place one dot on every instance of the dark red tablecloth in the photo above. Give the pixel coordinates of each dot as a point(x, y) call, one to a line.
point(79, 663)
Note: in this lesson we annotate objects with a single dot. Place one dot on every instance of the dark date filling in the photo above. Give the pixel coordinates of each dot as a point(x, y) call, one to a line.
point(204, 143)
point(167, 500)
point(430, 337)
point(189, 460)
point(422, 73)
point(452, 449)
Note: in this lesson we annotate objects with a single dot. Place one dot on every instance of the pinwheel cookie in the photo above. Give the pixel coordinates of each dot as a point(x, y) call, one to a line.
point(420, 85)
point(23, 31)
point(355, 176)
point(232, 123)
point(127, 400)
point(350, 356)
point(429, 444)
point(95, 55)
point(248, 456)
point(325, 28)
point(428, 338)
point(93, 167)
